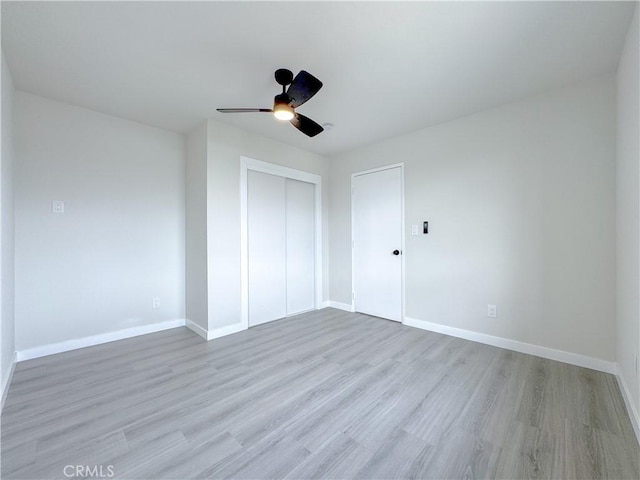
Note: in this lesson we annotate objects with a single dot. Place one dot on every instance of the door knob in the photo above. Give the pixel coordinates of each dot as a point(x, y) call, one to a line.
point(396, 252)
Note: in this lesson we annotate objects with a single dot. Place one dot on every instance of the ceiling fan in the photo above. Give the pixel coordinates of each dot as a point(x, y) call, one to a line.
point(301, 89)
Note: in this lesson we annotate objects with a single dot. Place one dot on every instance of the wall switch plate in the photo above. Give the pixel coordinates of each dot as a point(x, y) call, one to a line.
point(156, 302)
point(415, 230)
point(57, 206)
point(492, 311)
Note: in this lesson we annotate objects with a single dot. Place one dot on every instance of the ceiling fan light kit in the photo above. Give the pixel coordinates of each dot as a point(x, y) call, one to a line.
point(281, 108)
point(301, 88)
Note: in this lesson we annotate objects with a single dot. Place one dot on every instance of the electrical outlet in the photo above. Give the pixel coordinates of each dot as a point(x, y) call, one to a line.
point(156, 302)
point(492, 311)
point(57, 206)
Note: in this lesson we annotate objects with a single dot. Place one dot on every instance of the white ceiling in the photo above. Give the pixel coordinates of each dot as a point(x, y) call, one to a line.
point(387, 68)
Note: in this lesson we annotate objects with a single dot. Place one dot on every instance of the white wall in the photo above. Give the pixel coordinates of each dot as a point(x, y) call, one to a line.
point(120, 242)
point(225, 146)
point(628, 212)
point(7, 330)
point(196, 228)
point(521, 207)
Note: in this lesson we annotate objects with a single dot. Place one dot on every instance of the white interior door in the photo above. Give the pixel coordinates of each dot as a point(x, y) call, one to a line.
point(266, 223)
point(300, 250)
point(377, 243)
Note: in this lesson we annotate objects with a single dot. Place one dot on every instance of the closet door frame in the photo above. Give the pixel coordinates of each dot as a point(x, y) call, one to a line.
point(247, 164)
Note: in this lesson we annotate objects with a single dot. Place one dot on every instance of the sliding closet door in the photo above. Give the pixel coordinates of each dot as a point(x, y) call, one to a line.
point(300, 251)
point(266, 217)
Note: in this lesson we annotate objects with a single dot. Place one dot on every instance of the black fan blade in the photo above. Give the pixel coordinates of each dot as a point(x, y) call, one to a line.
point(303, 87)
point(306, 125)
point(243, 110)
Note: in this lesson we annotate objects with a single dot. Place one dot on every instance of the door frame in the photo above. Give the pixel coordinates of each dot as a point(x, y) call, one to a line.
point(402, 244)
point(247, 164)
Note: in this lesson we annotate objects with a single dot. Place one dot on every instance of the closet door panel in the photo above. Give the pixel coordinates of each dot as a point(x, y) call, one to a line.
point(300, 251)
point(266, 216)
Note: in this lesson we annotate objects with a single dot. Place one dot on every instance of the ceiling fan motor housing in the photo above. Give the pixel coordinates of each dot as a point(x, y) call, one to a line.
point(281, 98)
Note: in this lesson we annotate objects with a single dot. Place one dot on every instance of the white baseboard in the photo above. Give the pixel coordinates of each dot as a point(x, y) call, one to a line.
point(224, 331)
point(537, 350)
point(631, 409)
point(196, 328)
point(216, 332)
point(76, 343)
point(340, 306)
point(7, 379)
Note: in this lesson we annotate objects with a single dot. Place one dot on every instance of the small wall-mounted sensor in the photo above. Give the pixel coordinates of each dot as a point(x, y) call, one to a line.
point(416, 230)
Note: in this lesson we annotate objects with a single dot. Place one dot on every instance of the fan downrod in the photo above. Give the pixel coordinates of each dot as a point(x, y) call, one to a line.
point(284, 77)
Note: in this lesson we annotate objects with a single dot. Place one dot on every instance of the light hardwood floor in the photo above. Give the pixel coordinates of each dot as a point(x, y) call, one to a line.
point(326, 394)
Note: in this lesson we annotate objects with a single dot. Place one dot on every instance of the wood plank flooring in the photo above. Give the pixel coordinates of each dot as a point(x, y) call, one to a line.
point(324, 395)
